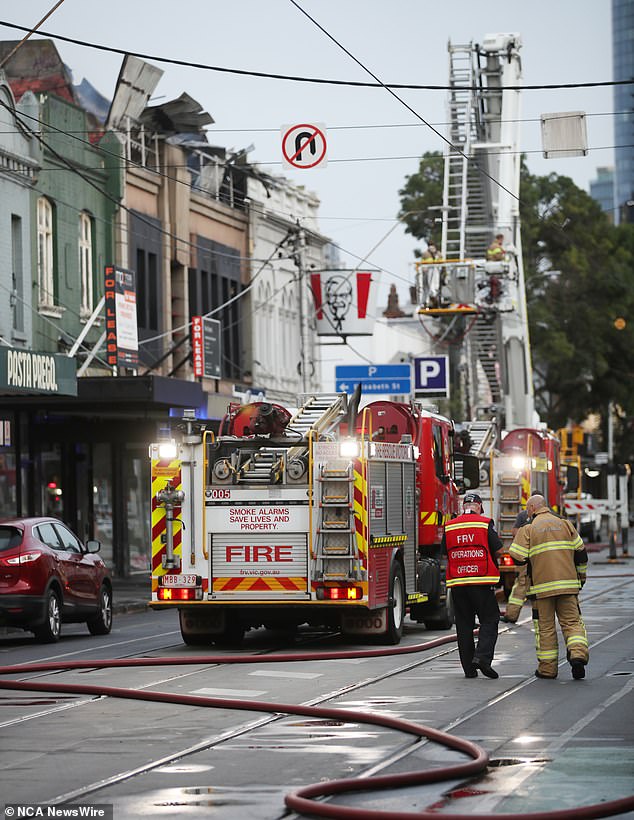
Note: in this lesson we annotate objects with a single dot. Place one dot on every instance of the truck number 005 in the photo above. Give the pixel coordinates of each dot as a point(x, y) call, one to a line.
point(218, 494)
point(370, 622)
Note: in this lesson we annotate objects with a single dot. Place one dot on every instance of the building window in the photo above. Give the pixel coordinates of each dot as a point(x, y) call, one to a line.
point(147, 308)
point(45, 267)
point(213, 285)
point(17, 274)
point(85, 264)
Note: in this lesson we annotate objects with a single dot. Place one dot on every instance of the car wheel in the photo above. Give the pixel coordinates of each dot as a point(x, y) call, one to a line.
point(51, 629)
point(396, 605)
point(101, 623)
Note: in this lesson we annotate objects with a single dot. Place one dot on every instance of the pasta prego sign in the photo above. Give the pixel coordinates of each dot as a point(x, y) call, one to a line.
point(27, 371)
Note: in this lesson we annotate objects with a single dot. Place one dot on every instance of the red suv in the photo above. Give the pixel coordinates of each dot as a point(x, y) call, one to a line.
point(47, 576)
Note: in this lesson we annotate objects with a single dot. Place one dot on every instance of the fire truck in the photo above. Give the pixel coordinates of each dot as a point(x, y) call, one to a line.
point(476, 290)
point(326, 515)
point(526, 463)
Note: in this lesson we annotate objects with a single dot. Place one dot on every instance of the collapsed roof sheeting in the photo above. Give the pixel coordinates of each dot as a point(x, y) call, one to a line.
point(180, 116)
point(135, 85)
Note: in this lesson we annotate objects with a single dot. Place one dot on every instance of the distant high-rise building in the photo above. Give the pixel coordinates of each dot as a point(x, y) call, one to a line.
point(602, 189)
point(623, 57)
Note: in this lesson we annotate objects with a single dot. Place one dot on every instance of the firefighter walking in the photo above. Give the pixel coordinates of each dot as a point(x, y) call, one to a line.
point(557, 563)
point(472, 543)
point(519, 590)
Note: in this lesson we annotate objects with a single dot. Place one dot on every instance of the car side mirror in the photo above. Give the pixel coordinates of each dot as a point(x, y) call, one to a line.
point(93, 546)
point(467, 471)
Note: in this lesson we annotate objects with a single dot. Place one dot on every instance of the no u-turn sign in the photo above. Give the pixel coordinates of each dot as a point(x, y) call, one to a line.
point(304, 145)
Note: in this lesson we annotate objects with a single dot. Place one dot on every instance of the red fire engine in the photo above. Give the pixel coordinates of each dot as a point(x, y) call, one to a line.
point(527, 462)
point(325, 516)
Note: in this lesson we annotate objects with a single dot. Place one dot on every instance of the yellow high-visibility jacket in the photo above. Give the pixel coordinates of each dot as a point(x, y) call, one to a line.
point(555, 554)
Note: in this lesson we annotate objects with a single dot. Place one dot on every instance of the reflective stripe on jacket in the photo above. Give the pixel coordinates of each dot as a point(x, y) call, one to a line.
point(469, 559)
point(555, 553)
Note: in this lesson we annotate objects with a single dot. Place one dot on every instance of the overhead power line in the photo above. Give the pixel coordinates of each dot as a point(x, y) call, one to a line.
point(300, 79)
point(29, 33)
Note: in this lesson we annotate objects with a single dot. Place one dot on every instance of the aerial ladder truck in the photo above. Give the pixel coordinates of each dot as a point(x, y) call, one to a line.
point(486, 293)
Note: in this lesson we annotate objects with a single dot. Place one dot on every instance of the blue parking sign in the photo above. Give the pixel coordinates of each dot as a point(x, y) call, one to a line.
point(431, 376)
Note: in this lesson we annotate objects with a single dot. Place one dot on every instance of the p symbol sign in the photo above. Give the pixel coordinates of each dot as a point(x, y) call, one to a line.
point(431, 376)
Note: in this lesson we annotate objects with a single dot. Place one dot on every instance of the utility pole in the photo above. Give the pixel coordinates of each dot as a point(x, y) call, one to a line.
point(298, 243)
point(612, 503)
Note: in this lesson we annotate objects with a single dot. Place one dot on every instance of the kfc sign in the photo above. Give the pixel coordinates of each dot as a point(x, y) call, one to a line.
point(345, 302)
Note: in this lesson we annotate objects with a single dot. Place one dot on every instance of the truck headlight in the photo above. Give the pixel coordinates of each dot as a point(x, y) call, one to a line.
point(168, 450)
point(349, 448)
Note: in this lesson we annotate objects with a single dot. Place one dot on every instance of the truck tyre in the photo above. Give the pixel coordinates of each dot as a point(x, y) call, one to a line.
point(396, 605)
point(196, 640)
point(192, 638)
point(443, 617)
point(231, 636)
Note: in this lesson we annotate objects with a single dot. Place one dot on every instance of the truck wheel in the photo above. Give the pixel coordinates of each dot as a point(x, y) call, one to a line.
point(191, 638)
point(396, 605)
point(231, 636)
point(443, 617)
point(196, 640)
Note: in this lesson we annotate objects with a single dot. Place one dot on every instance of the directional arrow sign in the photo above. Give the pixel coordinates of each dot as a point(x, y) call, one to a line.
point(391, 386)
point(395, 379)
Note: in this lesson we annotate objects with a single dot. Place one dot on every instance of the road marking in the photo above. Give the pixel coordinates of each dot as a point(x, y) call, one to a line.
point(229, 693)
point(266, 673)
point(593, 714)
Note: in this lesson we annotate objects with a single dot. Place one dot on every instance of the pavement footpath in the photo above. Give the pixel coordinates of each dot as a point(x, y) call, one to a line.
point(131, 594)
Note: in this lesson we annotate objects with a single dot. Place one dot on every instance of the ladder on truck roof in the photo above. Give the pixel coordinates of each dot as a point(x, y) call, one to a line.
point(483, 435)
point(319, 413)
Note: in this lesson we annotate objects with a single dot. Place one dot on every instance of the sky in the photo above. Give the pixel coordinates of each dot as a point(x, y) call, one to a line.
point(373, 141)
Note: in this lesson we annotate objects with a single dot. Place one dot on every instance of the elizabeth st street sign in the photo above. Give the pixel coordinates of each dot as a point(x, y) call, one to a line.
point(428, 375)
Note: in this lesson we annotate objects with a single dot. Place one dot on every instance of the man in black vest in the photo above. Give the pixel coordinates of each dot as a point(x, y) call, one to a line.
point(472, 545)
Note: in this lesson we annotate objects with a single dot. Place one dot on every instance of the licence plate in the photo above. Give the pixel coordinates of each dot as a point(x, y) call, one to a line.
point(178, 581)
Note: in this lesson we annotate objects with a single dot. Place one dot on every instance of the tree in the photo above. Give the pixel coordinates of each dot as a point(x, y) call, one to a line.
point(579, 280)
point(579, 273)
point(421, 198)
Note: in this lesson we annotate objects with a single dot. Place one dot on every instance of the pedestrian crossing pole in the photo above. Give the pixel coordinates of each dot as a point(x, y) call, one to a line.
point(612, 523)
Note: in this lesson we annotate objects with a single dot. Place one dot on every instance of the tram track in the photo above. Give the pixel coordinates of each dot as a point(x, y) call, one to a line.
point(277, 711)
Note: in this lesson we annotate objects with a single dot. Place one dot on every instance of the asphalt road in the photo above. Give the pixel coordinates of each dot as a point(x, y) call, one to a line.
point(553, 744)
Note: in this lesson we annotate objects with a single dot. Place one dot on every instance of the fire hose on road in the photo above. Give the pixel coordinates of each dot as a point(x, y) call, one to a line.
point(306, 800)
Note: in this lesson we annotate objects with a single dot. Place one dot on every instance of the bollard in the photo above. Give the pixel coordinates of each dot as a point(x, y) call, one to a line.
point(624, 541)
point(612, 554)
